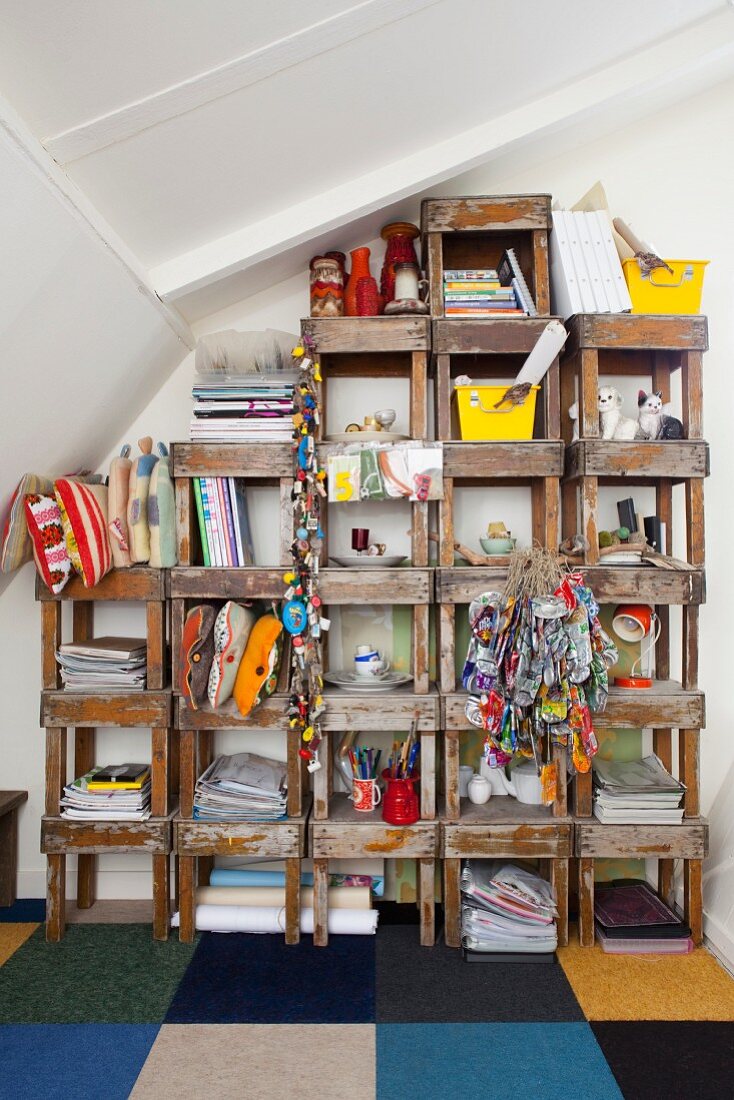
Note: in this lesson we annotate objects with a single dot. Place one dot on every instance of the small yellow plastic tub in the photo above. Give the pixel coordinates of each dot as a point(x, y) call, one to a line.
point(661, 292)
point(479, 419)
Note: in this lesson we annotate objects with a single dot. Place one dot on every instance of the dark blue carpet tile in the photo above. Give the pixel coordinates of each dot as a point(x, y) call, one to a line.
point(671, 1060)
point(494, 1061)
point(83, 1061)
point(24, 911)
point(241, 979)
point(417, 984)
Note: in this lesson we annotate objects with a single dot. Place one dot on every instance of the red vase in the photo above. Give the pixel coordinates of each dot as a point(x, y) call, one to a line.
point(368, 299)
point(400, 250)
point(400, 805)
point(360, 270)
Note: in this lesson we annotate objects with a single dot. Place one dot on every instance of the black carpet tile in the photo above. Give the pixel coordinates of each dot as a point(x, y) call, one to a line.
point(240, 979)
point(417, 984)
point(677, 1060)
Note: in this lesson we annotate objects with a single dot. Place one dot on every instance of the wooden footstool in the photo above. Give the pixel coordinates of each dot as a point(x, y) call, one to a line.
point(9, 803)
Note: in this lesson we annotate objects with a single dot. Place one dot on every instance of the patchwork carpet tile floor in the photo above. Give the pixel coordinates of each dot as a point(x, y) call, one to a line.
point(109, 1014)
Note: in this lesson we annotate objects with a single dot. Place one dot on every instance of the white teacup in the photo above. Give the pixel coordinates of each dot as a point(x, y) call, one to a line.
point(376, 666)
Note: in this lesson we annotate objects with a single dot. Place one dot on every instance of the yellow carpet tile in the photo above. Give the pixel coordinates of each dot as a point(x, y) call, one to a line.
point(648, 987)
point(13, 936)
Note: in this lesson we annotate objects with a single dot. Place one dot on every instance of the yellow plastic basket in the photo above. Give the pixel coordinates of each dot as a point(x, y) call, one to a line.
point(479, 419)
point(661, 292)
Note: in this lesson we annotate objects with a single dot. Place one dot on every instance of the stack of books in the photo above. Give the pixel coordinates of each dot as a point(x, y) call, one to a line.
point(506, 909)
point(224, 523)
point(585, 269)
point(243, 787)
point(120, 792)
point(486, 292)
point(103, 664)
point(640, 792)
point(256, 408)
point(632, 919)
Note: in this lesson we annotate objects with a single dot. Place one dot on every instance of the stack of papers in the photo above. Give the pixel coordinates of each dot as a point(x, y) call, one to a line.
point(243, 787)
point(506, 909)
point(256, 408)
point(80, 804)
point(102, 664)
point(640, 792)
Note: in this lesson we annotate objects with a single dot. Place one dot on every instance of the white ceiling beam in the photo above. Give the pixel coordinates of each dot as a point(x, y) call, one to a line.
point(125, 122)
point(89, 217)
point(696, 57)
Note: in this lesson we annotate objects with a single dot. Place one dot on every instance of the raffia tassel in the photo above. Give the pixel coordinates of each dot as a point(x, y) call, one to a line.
point(515, 395)
point(533, 572)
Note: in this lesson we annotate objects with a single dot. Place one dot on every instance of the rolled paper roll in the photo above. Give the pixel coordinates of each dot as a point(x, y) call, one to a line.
point(241, 918)
point(340, 897)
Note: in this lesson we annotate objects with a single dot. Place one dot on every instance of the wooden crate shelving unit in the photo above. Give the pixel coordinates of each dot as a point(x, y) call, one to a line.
point(87, 711)
point(654, 347)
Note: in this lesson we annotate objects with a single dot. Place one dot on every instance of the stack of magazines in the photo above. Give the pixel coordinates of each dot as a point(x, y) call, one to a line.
point(640, 792)
point(632, 919)
point(254, 408)
point(117, 793)
point(103, 664)
point(506, 909)
point(243, 787)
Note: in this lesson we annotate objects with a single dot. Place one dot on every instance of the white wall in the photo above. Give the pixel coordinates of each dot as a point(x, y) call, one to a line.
point(672, 176)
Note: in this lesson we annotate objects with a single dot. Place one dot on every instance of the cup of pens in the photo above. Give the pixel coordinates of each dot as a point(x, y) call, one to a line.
point(365, 794)
point(401, 805)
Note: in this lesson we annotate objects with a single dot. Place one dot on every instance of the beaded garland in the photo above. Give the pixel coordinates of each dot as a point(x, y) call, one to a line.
point(302, 616)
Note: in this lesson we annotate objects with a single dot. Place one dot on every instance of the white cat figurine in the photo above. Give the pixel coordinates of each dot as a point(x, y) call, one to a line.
point(655, 423)
point(611, 422)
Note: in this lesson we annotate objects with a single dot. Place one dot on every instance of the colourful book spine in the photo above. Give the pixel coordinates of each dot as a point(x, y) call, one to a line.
point(229, 516)
point(209, 522)
point(211, 492)
point(475, 274)
point(221, 521)
point(202, 522)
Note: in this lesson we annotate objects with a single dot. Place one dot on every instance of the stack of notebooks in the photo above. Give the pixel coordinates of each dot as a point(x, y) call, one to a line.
point(485, 292)
point(640, 792)
point(224, 523)
point(243, 787)
point(632, 919)
point(104, 664)
point(255, 408)
point(585, 269)
point(506, 910)
point(120, 792)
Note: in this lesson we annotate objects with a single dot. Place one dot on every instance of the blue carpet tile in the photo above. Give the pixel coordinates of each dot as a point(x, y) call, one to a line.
point(24, 911)
point(83, 1061)
point(434, 985)
point(492, 1061)
point(238, 979)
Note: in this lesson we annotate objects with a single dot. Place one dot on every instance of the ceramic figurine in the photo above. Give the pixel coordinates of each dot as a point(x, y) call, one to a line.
point(654, 421)
point(400, 250)
point(612, 423)
point(360, 270)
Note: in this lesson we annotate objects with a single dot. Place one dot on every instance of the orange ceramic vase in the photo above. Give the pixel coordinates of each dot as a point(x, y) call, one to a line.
point(360, 270)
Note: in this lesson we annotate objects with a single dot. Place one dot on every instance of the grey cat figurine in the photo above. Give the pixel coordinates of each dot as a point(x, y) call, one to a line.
point(654, 422)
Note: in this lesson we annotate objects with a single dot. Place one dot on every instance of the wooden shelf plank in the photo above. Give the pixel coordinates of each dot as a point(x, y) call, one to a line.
point(513, 459)
point(395, 710)
point(269, 715)
point(486, 214)
point(137, 583)
point(250, 460)
point(659, 332)
point(351, 833)
point(486, 336)
point(94, 709)
point(664, 706)
point(593, 840)
point(60, 836)
point(197, 582)
point(274, 839)
point(610, 458)
point(368, 334)
point(505, 827)
point(461, 584)
point(336, 585)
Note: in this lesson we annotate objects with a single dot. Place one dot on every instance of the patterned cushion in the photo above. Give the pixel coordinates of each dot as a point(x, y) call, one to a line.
point(17, 546)
point(46, 535)
point(197, 653)
point(231, 631)
point(84, 516)
point(258, 671)
point(118, 491)
point(162, 513)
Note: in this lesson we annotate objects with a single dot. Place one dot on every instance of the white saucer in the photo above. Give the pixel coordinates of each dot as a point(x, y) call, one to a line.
point(365, 561)
point(365, 437)
point(346, 679)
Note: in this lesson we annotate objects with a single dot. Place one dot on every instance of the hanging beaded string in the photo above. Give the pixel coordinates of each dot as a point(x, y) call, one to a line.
point(302, 610)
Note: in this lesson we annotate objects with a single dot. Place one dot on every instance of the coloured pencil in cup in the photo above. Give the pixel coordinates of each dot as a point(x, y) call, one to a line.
point(364, 762)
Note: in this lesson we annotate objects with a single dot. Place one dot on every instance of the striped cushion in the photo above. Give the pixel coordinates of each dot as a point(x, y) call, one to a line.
point(84, 516)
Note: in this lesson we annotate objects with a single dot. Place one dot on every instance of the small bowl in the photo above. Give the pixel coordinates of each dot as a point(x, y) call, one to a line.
point(498, 546)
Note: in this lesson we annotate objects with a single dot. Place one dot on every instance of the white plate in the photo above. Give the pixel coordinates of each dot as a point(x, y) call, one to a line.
point(365, 437)
point(364, 561)
point(346, 679)
point(622, 557)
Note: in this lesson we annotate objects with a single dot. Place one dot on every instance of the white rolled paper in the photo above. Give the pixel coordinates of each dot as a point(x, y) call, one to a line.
point(547, 347)
point(340, 897)
point(241, 918)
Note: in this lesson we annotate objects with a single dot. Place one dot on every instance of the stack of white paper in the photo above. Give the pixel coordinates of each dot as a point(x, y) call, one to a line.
point(102, 664)
point(506, 909)
point(638, 792)
point(243, 787)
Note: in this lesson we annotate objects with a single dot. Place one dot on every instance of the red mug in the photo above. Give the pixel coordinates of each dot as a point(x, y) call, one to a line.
point(400, 806)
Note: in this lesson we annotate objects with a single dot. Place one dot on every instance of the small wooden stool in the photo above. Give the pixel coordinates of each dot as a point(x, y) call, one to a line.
point(9, 803)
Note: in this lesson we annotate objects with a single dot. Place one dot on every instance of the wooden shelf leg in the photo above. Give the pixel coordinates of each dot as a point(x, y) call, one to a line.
point(693, 897)
point(692, 393)
point(178, 618)
point(161, 757)
point(569, 509)
point(84, 758)
point(321, 780)
point(662, 741)
point(427, 896)
point(586, 902)
point(560, 806)
point(559, 882)
point(156, 643)
point(8, 857)
point(420, 649)
point(443, 397)
point(589, 394)
point(321, 902)
point(419, 395)
point(55, 898)
point(452, 807)
point(161, 896)
point(428, 776)
point(452, 902)
point(541, 277)
point(187, 772)
point(552, 393)
point(582, 794)
point(292, 900)
point(447, 647)
point(689, 742)
point(187, 898)
point(589, 509)
point(295, 771)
